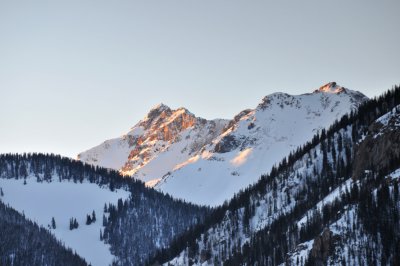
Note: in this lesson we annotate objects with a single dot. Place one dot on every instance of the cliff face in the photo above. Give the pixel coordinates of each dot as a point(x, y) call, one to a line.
point(382, 141)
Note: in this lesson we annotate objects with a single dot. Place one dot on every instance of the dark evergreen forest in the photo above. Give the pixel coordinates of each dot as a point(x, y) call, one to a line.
point(23, 242)
point(136, 227)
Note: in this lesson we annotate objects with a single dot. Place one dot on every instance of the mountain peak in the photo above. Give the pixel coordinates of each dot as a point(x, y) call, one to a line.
point(331, 87)
point(156, 111)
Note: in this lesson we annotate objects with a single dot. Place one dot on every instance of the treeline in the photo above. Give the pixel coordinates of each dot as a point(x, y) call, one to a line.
point(46, 167)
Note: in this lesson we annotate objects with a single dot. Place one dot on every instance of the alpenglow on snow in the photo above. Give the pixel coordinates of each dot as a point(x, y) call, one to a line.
point(208, 161)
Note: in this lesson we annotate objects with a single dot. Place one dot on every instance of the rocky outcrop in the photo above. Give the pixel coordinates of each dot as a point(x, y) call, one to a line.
point(382, 142)
point(163, 126)
point(322, 247)
point(226, 144)
point(177, 134)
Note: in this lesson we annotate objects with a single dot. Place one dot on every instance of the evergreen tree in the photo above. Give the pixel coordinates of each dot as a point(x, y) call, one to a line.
point(93, 216)
point(104, 220)
point(88, 220)
point(53, 223)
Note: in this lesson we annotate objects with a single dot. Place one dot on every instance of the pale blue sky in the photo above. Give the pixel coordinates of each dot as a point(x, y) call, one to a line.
point(74, 73)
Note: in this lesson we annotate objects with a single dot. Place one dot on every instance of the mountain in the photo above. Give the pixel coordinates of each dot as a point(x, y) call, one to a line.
point(207, 162)
point(332, 201)
point(156, 145)
point(96, 212)
point(255, 140)
point(335, 201)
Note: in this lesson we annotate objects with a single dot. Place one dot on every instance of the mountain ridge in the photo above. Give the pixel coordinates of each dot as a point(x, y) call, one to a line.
point(311, 209)
point(255, 140)
point(172, 144)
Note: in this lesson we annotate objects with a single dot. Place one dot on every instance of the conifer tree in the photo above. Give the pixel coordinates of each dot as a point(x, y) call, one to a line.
point(53, 223)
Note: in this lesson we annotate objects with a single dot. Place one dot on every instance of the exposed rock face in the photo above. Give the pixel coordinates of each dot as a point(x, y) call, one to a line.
point(165, 124)
point(382, 142)
point(226, 144)
point(322, 247)
point(159, 142)
point(163, 127)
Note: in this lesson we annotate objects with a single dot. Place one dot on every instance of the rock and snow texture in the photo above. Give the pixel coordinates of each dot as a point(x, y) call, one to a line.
point(41, 201)
point(255, 140)
point(160, 142)
point(206, 162)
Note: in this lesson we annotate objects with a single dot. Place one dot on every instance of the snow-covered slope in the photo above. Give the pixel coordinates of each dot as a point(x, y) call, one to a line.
point(134, 220)
point(206, 162)
point(312, 209)
point(255, 140)
point(156, 145)
point(63, 200)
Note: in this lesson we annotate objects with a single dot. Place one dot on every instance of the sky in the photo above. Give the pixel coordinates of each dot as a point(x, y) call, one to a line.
point(75, 73)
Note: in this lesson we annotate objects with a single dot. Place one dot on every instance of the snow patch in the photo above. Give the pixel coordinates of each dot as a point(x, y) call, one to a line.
point(242, 157)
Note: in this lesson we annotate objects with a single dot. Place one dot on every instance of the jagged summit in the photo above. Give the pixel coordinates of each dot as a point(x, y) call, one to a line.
point(331, 87)
point(162, 115)
point(165, 111)
point(157, 110)
point(159, 142)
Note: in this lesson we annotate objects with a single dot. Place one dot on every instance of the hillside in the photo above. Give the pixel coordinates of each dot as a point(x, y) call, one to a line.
point(312, 209)
point(23, 242)
point(79, 204)
point(207, 162)
point(255, 140)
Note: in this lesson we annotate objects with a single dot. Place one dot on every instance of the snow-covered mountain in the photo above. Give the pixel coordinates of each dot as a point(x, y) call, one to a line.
point(206, 162)
point(156, 145)
point(335, 201)
point(255, 140)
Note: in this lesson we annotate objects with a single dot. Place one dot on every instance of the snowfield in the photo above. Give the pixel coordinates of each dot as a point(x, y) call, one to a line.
point(40, 201)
